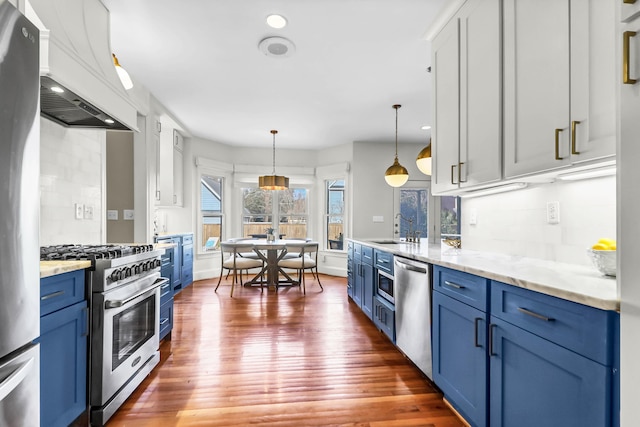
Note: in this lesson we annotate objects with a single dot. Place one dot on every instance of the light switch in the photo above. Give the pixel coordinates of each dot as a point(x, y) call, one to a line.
point(128, 214)
point(473, 216)
point(112, 215)
point(378, 218)
point(79, 207)
point(88, 212)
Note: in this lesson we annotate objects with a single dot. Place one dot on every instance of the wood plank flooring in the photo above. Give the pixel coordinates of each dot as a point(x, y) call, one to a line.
point(280, 359)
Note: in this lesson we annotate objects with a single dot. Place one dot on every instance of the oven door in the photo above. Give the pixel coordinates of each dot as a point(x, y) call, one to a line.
point(125, 334)
point(384, 286)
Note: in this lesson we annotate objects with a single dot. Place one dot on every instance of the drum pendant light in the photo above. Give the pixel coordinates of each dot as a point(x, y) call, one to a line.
point(424, 159)
point(396, 175)
point(273, 181)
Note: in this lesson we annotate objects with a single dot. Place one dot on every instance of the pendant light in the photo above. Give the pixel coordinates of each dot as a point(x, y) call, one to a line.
point(396, 175)
point(122, 73)
point(424, 159)
point(273, 181)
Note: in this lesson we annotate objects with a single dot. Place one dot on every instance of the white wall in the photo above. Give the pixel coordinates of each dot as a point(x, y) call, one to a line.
point(515, 223)
point(72, 170)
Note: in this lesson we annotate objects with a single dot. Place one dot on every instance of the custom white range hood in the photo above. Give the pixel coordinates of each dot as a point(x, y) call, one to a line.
point(75, 53)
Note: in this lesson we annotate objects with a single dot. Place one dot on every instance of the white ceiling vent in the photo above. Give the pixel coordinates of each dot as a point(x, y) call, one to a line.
point(277, 47)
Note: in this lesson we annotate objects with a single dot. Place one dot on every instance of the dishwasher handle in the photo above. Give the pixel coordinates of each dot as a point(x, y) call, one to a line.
point(410, 267)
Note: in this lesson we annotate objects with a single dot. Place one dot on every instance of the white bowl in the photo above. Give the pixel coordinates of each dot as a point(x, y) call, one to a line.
point(604, 261)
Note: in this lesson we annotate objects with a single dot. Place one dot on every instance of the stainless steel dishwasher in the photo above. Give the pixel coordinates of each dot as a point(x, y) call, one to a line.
point(413, 312)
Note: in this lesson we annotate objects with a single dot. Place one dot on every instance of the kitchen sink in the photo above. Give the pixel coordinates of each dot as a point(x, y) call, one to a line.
point(388, 242)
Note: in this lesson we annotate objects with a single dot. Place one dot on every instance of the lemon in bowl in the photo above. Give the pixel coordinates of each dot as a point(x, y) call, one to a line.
point(603, 256)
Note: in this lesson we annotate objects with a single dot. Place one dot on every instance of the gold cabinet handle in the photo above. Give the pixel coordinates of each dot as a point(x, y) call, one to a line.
point(460, 172)
point(573, 136)
point(628, 1)
point(558, 144)
point(626, 38)
point(452, 167)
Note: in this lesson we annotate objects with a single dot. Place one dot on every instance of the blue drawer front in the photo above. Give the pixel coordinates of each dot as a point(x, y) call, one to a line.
point(60, 291)
point(586, 330)
point(464, 287)
point(367, 255)
point(187, 239)
point(384, 261)
point(166, 318)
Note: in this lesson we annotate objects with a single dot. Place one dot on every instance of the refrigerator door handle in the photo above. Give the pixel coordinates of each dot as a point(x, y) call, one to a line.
point(16, 377)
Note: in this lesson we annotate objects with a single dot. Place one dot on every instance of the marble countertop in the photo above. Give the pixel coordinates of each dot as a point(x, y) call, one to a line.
point(52, 268)
point(577, 283)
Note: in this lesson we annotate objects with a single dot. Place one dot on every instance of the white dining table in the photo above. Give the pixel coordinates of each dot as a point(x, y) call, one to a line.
point(271, 252)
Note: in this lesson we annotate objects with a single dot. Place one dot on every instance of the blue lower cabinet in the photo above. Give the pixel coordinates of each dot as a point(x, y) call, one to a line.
point(535, 382)
point(384, 317)
point(166, 318)
point(460, 358)
point(63, 365)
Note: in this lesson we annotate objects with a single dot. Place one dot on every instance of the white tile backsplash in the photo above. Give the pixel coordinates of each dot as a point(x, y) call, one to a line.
point(71, 171)
point(516, 223)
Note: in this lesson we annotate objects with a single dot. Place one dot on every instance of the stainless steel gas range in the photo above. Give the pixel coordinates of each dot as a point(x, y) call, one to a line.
point(124, 290)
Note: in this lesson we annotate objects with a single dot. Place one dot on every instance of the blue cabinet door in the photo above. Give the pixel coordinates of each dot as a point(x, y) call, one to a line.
point(358, 284)
point(367, 290)
point(460, 356)
point(535, 382)
point(63, 365)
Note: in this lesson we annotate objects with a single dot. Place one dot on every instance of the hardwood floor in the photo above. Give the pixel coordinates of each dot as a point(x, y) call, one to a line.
point(280, 359)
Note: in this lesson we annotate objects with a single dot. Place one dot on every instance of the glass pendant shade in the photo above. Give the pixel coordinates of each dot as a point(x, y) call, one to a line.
point(396, 174)
point(273, 181)
point(424, 160)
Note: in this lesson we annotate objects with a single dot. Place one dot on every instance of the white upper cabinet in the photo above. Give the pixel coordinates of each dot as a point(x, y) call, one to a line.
point(169, 145)
point(559, 84)
point(467, 145)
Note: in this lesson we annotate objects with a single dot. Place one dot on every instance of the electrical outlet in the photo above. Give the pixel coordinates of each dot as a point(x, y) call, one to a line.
point(88, 212)
point(79, 209)
point(553, 212)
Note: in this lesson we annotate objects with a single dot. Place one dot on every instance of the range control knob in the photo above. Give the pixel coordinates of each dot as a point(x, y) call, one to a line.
point(157, 263)
point(115, 275)
point(128, 272)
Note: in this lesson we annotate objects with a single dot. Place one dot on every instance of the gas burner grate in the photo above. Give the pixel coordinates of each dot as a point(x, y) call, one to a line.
point(90, 252)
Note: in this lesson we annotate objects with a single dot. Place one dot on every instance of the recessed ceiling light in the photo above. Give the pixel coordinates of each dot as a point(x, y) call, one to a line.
point(110, 121)
point(425, 127)
point(276, 21)
point(57, 89)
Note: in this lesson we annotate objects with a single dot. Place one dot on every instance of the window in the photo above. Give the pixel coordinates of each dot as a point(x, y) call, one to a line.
point(211, 211)
point(259, 212)
point(335, 214)
point(450, 217)
point(293, 211)
point(413, 212)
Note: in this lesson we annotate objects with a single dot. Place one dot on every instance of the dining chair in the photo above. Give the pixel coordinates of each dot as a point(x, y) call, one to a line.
point(232, 260)
point(306, 259)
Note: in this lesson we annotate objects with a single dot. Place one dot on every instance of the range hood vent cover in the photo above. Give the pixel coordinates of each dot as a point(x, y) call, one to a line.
point(75, 54)
point(69, 109)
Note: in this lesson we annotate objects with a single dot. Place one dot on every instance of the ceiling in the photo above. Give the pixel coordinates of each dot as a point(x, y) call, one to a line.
point(353, 60)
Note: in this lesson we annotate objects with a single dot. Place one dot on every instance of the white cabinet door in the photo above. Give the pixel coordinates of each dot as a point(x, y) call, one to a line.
point(178, 190)
point(593, 80)
point(445, 140)
point(177, 177)
point(536, 85)
point(559, 83)
point(480, 93)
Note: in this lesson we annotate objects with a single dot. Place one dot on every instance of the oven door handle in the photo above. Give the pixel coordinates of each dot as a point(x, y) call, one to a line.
point(120, 302)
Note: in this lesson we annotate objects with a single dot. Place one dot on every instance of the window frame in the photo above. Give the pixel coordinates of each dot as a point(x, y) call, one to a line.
point(220, 170)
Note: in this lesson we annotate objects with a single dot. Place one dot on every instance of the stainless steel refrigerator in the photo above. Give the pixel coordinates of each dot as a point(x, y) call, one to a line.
point(19, 219)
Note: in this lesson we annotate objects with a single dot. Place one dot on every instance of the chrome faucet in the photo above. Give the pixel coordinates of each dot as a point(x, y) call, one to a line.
point(411, 235)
